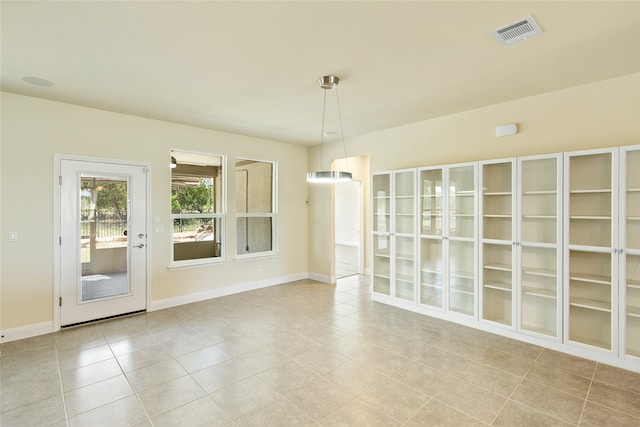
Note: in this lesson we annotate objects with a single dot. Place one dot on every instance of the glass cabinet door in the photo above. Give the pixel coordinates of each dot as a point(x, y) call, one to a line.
point(461, 246)
point(381, 191)
point(539, 237)
point(497, 242)
point(630, 287)
point(403, 234)
point(590, 247)
point(431, 237)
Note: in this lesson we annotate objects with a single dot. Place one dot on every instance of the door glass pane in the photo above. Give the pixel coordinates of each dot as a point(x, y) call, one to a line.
point(497, 201)
point(431, 280)
point(431, 202)
point(461, 277)
point(539, 296)
point(633, 199)
point(540, 200)
point(381, 204)
point(633, 305)
point(462, 201)
point(103, 236)
point(590, 200)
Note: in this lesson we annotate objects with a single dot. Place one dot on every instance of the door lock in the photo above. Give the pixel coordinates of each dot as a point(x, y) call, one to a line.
point(141, 245)
point(141, 235)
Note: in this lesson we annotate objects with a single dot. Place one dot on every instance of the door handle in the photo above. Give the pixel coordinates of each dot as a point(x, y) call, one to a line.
point(141, 245)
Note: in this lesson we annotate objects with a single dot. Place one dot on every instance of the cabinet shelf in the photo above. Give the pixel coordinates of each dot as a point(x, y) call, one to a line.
point(499, 267)
point(461, 215)
point(467, 291)
point(635, 284)
point(500, 286)
point(633, 311)
point(542, 293)
point(633, 218)
point(497, 193)
point(539, 272)
point(539, 217)
point(590, 278)
point(404, 278)
point(590, 217)
point(382, 255)
point(465, 193)
point(382, 276)
point(633, 190)
point(591, 304)
point(591, 191)
point(381, 197)
point(539, 192)
point(497, 216)
point(404, 197)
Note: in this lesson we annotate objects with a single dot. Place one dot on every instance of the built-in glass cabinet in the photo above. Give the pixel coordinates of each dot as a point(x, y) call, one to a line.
point(497, 274)
point(544, 247)
point(591, 251)
point(538, 245)
point(403, 234)
point(394, 218)
point(630, 255)
point(447, 238)
point(381, 207)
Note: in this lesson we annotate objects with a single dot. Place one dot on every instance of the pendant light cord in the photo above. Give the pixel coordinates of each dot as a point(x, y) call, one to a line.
point(344, 146)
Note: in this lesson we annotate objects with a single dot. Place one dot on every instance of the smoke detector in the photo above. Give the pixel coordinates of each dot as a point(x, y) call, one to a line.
point(517, 31)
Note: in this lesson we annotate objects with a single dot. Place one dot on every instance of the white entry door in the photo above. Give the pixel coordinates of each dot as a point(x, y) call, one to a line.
point(103, 244)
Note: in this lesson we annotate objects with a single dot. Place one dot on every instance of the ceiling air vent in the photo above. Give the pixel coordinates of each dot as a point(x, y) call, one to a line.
point(517, 31)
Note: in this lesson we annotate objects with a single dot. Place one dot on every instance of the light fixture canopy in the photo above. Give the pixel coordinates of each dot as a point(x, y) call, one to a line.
point(329, 82)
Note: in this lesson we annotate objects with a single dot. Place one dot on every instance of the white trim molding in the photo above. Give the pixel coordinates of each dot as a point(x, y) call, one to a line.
point(28, 331)
point(221, 292)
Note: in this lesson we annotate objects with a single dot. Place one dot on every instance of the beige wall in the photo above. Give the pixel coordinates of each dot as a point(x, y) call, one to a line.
point(602, 114)
point(34, 129)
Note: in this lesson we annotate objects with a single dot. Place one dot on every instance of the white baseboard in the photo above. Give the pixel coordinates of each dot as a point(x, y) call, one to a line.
point(321, 278)
point(220, 292)
point(27, 331)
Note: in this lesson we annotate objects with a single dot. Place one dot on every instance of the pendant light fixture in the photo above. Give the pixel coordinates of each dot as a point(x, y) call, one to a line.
point(329, 176)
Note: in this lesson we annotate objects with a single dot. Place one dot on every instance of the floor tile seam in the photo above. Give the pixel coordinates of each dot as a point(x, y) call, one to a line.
point(511, 395)
point(363, 402)
point(586, 398)
point(589, 377)
point(604, 405)
point(623, 389)
point(480, 362)
point(435, 398)
point(62, 397)
point(558, 389)
point(538, 410)
point(613, 410)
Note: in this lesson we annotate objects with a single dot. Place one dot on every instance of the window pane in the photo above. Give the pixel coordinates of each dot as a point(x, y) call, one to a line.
point(254, 186)
point(196, 183)
point(196, 205)
point(254, 235)
point(196, 238)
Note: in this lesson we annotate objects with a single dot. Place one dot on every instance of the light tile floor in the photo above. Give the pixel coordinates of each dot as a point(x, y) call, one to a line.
point(303, 353)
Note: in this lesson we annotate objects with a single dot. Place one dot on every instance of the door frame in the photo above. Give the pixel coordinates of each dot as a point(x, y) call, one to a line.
point(57, 225)
point(360, 261)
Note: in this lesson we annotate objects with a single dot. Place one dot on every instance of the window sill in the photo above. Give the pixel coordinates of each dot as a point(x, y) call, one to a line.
point(181, 265)
point(261, 255)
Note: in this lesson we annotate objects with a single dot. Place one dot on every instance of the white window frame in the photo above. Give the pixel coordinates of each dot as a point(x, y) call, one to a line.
point(273, 215)
point(221, 216)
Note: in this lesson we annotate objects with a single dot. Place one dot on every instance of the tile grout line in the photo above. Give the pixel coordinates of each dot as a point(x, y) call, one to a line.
point(64, 401)
point(586, 398)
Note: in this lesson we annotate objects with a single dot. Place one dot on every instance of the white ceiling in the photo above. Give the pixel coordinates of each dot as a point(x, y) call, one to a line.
point(252, 67)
